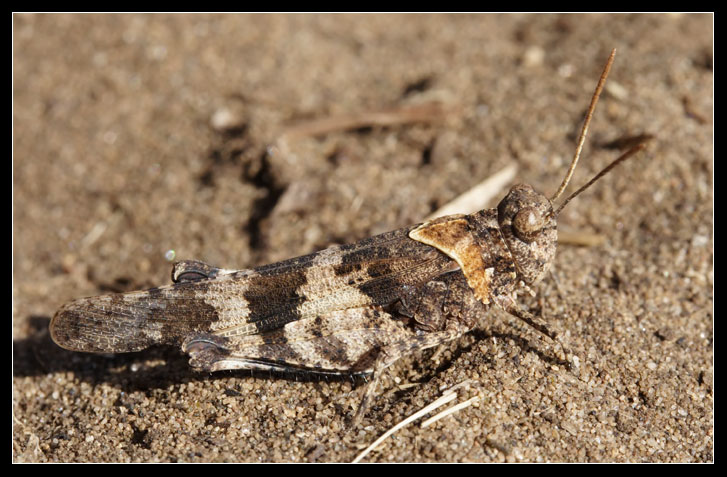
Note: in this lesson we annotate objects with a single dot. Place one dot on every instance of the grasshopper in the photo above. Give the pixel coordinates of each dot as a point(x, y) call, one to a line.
point(346, 310)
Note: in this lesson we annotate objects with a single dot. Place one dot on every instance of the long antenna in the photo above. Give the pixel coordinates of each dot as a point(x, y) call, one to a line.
point(586, 123)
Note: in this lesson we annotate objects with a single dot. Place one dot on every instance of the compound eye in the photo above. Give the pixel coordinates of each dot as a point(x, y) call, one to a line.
point(527, 223)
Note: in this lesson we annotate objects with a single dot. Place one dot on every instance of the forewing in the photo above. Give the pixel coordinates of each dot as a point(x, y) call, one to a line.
point(370, 272)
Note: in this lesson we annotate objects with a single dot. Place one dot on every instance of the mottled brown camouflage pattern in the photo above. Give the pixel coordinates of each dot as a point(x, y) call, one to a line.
point(351, 309)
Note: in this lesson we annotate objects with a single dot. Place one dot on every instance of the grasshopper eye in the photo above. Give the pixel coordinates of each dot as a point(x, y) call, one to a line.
point(527, 223)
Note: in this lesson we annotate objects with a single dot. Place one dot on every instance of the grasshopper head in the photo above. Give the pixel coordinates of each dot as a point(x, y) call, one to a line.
point(527, 219)
point(528, 225)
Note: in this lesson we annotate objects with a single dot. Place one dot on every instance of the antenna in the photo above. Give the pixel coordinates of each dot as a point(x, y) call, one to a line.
point(605, 171)
point(584, 130)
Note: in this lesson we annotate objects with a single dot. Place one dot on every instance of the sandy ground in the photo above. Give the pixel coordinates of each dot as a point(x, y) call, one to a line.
point(139, 134)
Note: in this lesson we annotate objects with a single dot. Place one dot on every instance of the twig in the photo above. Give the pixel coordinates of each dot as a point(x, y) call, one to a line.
point(580, 239)
point(384, 117)
point(447, 397)
point(478, 197)
point(448, 411)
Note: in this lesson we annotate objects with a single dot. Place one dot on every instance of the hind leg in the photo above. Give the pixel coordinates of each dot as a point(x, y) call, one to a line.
point(388, 355)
